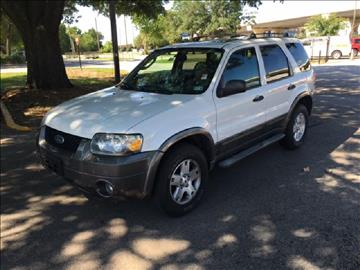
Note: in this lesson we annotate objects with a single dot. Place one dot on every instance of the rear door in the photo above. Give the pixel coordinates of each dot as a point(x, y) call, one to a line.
point(279, 82)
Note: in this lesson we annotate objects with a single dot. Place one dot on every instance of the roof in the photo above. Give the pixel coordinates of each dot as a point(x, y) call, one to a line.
point(227, 44)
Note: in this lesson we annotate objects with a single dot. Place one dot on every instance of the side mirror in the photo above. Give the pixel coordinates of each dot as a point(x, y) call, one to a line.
point(232, 87)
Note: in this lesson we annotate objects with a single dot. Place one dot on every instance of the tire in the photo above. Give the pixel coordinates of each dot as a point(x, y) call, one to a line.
point(336, 54)
point(294, 138)
point(356, 52)
point(174, 164)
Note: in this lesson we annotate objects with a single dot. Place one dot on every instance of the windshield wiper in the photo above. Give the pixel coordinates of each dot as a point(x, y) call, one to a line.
point(165, 92)
point(126, 86)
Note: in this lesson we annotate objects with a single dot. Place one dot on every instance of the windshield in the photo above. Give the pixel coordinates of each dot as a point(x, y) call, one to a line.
point(175, 71)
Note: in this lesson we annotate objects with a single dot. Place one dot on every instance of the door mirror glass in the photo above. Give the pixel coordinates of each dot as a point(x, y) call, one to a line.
point(233, 87)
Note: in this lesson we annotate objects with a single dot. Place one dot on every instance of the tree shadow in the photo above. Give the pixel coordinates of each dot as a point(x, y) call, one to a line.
point(276, 209)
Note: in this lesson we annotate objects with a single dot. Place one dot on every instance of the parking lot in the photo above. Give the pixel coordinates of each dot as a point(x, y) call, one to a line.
point(276, 209)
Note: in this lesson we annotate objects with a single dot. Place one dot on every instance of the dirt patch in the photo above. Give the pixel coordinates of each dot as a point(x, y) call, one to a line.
point(28, 106)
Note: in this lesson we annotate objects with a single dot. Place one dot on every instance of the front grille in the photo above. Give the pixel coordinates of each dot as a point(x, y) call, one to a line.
point(70, 142)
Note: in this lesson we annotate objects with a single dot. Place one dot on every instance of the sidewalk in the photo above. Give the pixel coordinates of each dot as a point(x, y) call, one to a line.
point(88, 63)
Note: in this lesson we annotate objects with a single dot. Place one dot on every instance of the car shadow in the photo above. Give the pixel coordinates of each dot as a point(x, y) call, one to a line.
point(276, 209)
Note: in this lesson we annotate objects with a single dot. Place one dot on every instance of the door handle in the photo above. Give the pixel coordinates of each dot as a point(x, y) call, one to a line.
point(258, 98)
point(291, 86)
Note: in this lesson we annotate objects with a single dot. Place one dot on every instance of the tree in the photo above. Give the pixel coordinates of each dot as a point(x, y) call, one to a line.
point(64, 39)
point(151, 31)
point(325, 26)
point(10, 38)
point(204, 17)
point(73, 32)
point(107, 48)
point(38, 23)
point(88, 40)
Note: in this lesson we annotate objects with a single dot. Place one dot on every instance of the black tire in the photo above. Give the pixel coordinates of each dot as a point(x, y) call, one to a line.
point(356, 52)
point(171, 161)
point(336, 54)
point(289, 141)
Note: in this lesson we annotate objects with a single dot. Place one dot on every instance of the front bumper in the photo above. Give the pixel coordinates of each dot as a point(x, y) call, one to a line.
point(130, 176)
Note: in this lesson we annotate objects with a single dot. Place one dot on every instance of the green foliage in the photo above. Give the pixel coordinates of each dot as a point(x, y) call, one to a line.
point(88, 40)
point(107, 47)
point(322, 26)
point(10, 34)
point(151, 31)
point(15, 58)
point(147, 8)
point(64, 38)
point(205, 17)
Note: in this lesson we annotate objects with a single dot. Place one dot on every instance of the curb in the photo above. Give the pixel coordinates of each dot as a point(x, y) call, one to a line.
point(10, 121)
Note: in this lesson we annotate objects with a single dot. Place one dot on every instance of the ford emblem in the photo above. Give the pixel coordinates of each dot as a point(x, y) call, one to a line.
point(59, 139)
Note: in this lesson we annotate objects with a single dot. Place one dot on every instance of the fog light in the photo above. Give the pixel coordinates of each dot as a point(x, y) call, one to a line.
point(109, 188)
point(104, 188)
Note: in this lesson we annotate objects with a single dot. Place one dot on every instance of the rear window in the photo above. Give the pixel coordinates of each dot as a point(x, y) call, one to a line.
point(300, 55)
point(275, 62)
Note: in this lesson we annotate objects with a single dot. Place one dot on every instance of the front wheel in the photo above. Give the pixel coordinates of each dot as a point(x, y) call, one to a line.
point(296, 129)
point(181, 179)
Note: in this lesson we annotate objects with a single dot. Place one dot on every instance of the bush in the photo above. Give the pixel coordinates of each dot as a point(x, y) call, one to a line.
point(107, 48)
point(16, 58)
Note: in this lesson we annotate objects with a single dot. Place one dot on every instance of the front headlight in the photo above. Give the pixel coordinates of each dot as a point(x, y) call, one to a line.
point(116, 144)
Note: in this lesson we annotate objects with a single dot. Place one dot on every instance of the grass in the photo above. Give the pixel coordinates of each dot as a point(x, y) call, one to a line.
point(84, 77)
point(12, 80)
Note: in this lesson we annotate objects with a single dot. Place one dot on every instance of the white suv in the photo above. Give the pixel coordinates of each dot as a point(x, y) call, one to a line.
point(183, 109)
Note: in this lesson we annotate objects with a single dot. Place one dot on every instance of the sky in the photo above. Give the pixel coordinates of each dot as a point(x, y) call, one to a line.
point(268, 11)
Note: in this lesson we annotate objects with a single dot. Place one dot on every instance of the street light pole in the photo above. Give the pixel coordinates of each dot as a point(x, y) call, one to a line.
point(97, 35)
point(114, 40)
point(77, 41)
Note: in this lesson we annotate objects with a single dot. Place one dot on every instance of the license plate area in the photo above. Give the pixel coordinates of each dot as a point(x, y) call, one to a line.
point(55, 164)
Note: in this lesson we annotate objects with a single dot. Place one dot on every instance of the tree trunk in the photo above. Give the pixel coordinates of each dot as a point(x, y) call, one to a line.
point(38, 23)
point(8, 40)
point(72, 45)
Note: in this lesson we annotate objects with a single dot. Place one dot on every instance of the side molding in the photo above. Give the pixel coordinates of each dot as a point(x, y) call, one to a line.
point(184, 134)
point(155, 162)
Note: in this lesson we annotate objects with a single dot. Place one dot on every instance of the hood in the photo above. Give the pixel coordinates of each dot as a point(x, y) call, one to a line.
point(110, 110)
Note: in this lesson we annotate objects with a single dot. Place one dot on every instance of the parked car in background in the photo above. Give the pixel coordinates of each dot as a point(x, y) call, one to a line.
point(183, 109)
point(355, 45)
point(335, 46)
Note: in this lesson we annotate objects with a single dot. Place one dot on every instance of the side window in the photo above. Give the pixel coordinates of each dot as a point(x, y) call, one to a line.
point(242, 65)
point(275, 62)
point(300, 55)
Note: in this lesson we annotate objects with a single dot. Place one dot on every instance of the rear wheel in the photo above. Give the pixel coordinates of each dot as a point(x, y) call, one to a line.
point(296, 129)
point(181, 180)
point(336, 54)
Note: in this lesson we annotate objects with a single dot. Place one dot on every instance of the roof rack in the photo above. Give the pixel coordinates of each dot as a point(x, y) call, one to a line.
point(231, 37)
point(269, 35)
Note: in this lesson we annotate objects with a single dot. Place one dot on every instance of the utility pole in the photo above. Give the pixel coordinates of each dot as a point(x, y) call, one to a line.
point(352, 31)
point(97, 35)
point(114, 40)
point(126, 41)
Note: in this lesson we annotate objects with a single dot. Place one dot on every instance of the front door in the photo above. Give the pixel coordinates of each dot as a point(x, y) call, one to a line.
point(244, 112)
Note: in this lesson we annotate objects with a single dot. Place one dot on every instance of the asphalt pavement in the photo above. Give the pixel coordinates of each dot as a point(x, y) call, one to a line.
point(126, 65)
point(276, 209)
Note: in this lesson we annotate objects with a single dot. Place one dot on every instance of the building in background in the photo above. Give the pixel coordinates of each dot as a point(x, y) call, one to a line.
point(291, 16)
